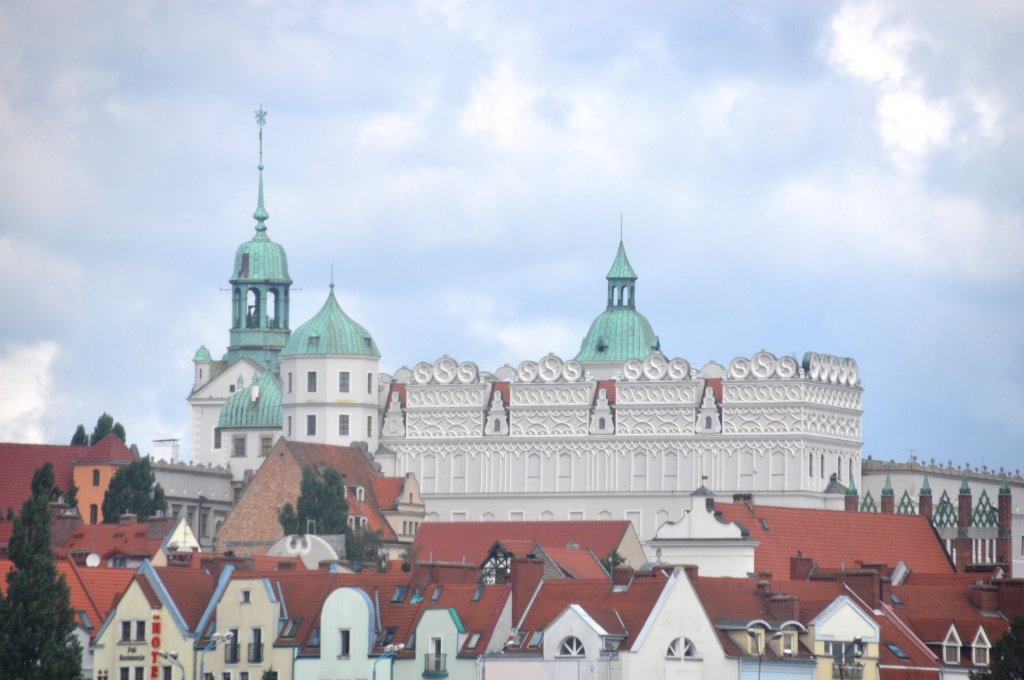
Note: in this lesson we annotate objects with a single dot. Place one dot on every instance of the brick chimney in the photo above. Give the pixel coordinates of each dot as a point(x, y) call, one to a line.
point(962, 544)
point(888, 498)
point(867, 583)
point(924, 499)
point(1011, 597)
point(524, 576)
point(622, 576)
point(128, 518)
point(800, 567)
point(784, 608)
point(984, 596)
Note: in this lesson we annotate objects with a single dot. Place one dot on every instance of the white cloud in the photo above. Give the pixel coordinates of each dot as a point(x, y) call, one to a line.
point(867, 45)
point(26, 381)
point(912, 125)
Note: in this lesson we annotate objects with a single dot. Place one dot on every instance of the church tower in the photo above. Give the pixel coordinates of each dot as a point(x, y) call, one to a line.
point(259, 291)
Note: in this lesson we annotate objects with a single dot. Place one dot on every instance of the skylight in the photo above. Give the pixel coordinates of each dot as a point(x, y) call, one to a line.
point(478, 593)
point(436, 595)
point(536, 639)
point(473, 640)
point(400, 593)
point(897, 650)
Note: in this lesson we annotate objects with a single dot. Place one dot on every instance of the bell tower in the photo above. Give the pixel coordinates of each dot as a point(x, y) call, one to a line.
point(259, 289)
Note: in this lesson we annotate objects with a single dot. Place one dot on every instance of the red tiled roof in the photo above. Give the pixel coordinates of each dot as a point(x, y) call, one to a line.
point(20, 462)
point(834, 538)
point(190, 589)
point(620, 612)
point(106, 540)
point(471, 541)
point(110, 449)
point(388, 490)
point(104, 586)
point(579, 564)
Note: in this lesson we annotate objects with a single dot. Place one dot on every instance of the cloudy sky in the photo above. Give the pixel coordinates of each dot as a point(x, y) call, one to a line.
point(835, 177)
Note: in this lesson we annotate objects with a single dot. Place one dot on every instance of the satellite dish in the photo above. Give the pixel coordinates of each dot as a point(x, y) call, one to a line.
point(93, 560)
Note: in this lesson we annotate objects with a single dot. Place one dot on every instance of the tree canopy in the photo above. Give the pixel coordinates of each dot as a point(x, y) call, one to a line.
point(133, 489)
point(321, 507)
point(80, 438)
point(104, 425)
point(37, 623)
point(1006, 659)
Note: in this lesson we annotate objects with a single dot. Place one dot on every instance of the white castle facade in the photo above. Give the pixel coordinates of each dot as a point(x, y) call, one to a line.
point(618, 431)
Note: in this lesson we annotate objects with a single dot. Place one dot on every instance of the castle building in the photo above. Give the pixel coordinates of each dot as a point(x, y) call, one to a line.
point(619, 431)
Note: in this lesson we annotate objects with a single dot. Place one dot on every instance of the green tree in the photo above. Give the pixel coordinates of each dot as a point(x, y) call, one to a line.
point(133, 489)
point(80, 438)
point(363, 545)
point(105, 425)
point(37, 623)
point(1006, 659)
point(321, 500)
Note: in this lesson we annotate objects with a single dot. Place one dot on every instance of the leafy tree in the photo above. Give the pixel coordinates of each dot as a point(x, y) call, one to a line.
point(363, 545)
point(320, 500)
point(80, 438)
point(613, 560)
point(1006, 659)
point(105, 425)
point(37, 623)
point(133, 489)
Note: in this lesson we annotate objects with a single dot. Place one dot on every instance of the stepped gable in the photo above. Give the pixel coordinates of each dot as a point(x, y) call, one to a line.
point(619, 610)
point(472, 541)
point(834, 539)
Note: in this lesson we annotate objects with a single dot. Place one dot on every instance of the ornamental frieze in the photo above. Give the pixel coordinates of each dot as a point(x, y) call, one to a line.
point(657, 393)
point(449, 396)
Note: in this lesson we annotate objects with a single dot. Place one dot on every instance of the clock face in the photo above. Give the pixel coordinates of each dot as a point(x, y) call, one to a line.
point(444, 370)
point(527, 371)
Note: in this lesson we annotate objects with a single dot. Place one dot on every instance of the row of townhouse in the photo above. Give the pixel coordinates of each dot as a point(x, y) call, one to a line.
point(240, 620)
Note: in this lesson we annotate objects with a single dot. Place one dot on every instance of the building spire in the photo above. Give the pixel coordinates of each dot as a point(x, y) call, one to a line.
point(261, 215)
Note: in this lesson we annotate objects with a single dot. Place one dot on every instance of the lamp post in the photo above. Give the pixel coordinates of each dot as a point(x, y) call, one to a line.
point(215, 640)
point(173, 658)
point(760, 650)
point(390, 651)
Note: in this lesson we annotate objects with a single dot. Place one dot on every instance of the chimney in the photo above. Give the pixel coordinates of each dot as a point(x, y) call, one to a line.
point(866, 583)
point(128, 518)
point(622, 576)
point(924, 499)
point(1011, 597)
point(962, 544)
point(1004, 543)
point(984, 596)
point(851, 503)
point(888, 498)
point(800, 567)
point(524, 576)
point(784, 608)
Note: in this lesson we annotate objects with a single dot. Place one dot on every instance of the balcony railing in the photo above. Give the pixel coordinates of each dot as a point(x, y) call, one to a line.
point(847, 671)
point(435, 666)
point(231, 653)
point(255, 652)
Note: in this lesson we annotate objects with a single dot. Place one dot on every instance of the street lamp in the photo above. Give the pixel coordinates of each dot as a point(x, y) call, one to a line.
point(390, 651)
point(752, 632)
point(215, 640)
point(173, 658)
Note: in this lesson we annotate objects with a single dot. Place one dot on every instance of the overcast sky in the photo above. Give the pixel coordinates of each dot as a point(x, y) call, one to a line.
point(842, 178)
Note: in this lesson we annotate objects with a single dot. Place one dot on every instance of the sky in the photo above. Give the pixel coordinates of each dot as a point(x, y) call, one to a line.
point(837, 177)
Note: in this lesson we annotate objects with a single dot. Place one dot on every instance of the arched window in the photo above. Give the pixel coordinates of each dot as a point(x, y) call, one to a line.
point(601, 423)
point(681, 648)
point(95, 477)
point(571, 646)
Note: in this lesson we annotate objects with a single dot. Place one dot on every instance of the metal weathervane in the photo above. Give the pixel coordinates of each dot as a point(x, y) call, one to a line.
point(261, 120)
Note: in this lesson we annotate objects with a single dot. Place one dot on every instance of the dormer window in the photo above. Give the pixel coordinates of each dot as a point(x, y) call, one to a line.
point(602, 346)
point(951, 647)
point(980, 648)
point(360, 494)
point(572, 646)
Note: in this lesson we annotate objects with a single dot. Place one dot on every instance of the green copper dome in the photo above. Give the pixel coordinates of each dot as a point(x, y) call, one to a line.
point(620, 332)
point(260, 259)
point(241, 410)
point(330, 331)
point(202, 354)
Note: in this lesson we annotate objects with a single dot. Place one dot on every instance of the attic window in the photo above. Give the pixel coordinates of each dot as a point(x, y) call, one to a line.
point(601, 344)
point(478, 593)
point(897, 650)
point(386, 637)
point(399, 594)
point(520, 638)
point(368, 341)
point(436, 595)
point(291, 628)
point(314, 341)
point(764, 524)
point(314, 639)
point(474, 639)
point(536, 639)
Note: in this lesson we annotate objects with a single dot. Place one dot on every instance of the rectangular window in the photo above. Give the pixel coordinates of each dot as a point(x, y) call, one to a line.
point(204, 516)
point(246, 596)
point(289, 426)
point(216, 438)
point(399, 594)
point(95, 477)
point(289, 383)
point(255, 652)
point(166, 673)
point(310, 426)
point(126, 631)
point(369, 383)
point(238, 447)
point(311, 381)
point(140, 673)
point(343, 377)
point(225, 675)
point(369, 426)
point(125, 674)
point(343, 425)
point(266, 443)
point(344, 641)
point(140, 631)
point(243, 675)
point(436, 595)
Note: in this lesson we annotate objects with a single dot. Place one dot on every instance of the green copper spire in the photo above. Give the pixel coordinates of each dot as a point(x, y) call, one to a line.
point(261, 215)
point(926, 489)
point(887, 489)
point(1004, 488)
point(621, 268)
point(964, 489)
point(852, 489)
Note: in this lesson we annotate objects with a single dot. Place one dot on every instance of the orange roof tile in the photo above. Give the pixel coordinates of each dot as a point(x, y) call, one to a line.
point(833, 538)
point(472, 541)
point(110, 449)
point(20, 462)
point(387, 490)
point(106, 540)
